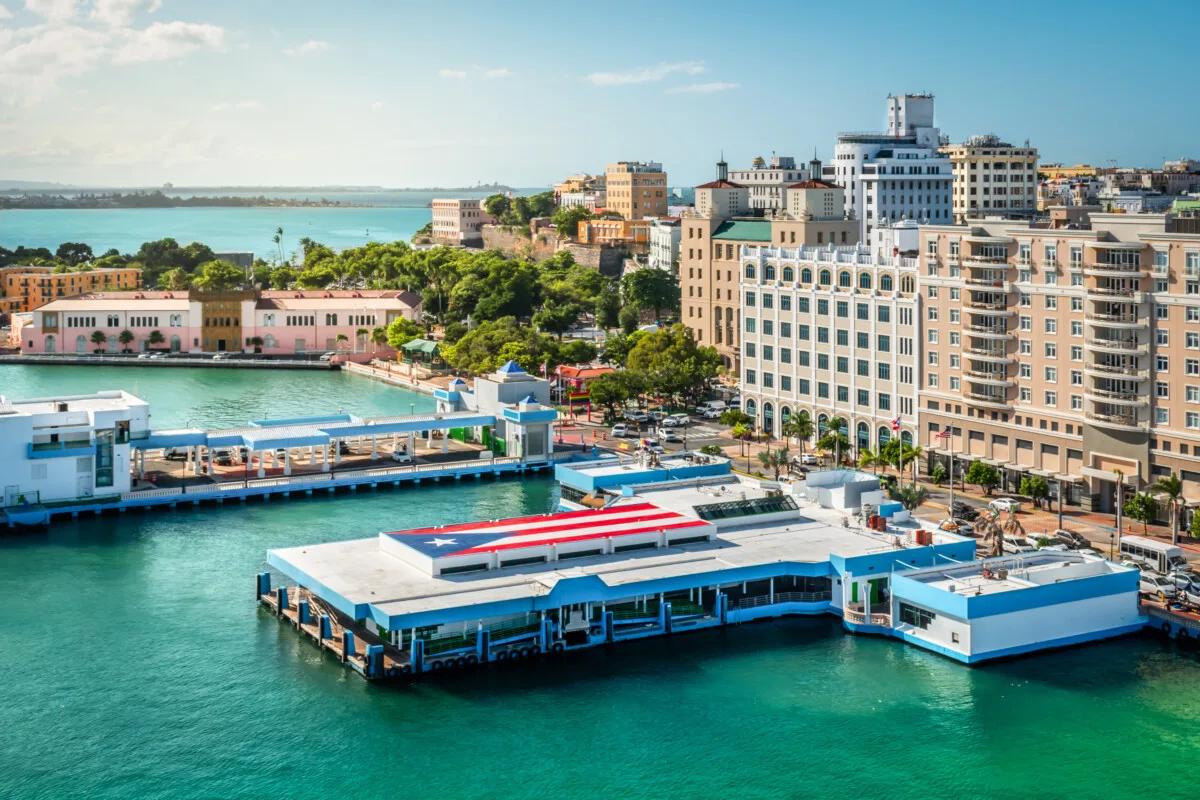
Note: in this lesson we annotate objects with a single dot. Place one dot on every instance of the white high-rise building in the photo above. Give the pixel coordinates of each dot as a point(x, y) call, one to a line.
point(896, 175)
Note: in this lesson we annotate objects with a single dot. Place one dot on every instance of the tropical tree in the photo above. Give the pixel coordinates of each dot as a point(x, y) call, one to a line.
point(1035, 488)
point(278, 240)
point(379, 337)
point(400, 332)
point(99, 339)
point(1170, 488)
point(257, 343)
point(74, 253)
point(774, 460)
point(613, 390)
point(126, 338)
point(174, 280)
point(868, 459)
point(733, 416)
point(798, 427)
point(985, 476)
point(741, 432)
point(987, 529)
point(218, 276)
point(674, 365)
point(911, 497)
point(939, 472)
point(835, 438)
point(556, 318)
point(651, 288)
point(1194, 526)
point(1141, 506)
point(1012, 527)
point(156, 337)
point(342, 339)
point(566, 220)
point(360, 337)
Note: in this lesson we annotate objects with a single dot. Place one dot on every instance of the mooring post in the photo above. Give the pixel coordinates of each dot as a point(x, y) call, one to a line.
point(608, 626)
point(418, 655)
point(281, 598)
point(374, 660)
point(664, 613)
point(347, 644)
point(326, 627)
point(483, 643)
point(263, 584)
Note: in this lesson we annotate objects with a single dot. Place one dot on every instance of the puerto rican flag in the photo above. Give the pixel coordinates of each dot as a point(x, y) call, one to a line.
point(896, 425)
point(470, 538)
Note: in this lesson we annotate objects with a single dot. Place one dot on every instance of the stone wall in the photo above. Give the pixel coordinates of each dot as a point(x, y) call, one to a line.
point(604, 258)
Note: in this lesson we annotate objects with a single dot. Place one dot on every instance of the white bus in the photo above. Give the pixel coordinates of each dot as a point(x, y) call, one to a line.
point(1158, 556)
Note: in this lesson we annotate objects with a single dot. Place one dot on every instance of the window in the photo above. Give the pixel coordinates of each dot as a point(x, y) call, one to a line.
point(883, 314)
point(843, 338)
point(883, 343)
point(843, 394)
point(863, 397)
point(916, 616)
point(751, 325)
point(843, 309)
point(768, 327)
point(751, 377)
point(749, 349)
point(751, 299)
point(785, 330)
point(1051, 325)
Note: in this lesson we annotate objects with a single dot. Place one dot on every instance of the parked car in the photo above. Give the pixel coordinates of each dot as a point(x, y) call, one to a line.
point(401, 457)
point(718, 406)
point(158, 355)
point(175, 454)
point(223, 457)
point(1005, 504)
point(652, 444)
point(636, 416)
point(327, 356)
point(1071, 539)
point(1014, 547)
point(1157, 586)
point(1189, 594)
point(221, 357)
point(1183, 578)
point(145, 355)
point(712, 413)
point(672, 436)
point(963, 511)
point(619, 431)
point(1088, 551)
point(736, 403)
point(808, 460)
point(656, 416)
point(677, 421)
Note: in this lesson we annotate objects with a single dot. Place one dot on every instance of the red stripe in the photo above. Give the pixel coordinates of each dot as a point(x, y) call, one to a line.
point(591, 523)
point(482, 526)
point(692, 523)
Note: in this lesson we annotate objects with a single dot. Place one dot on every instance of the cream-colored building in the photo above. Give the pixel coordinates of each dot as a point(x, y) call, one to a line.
point(459, 221)
point(1068, 353)
point(767, 182)
point(636, 189)
point(993, 178)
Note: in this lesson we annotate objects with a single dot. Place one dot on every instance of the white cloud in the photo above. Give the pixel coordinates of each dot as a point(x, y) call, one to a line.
point(703, 88)
point(53, 10)
point(164, 40)
point(308, 48)
point(646, 74)
point(498, 72)
point(120, 13)
point(5, 13)
point(240, 105)
point(33, 60)
point(377, 105)
point(455, 74)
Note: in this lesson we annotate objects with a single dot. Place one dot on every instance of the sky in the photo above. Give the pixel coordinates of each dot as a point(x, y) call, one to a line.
point(409, 94)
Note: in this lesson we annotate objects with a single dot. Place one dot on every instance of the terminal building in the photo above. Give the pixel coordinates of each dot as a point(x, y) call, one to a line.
point(678, 555)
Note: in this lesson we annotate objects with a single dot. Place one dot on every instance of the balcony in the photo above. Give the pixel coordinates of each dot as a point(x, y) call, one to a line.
point(1120, 422)
point(1118, 345)
point(997, 284)
point(1119, 321)
point(987, 331)
point(997, 402)
point(984, 262)
point(66, 449)
point(988, 377)
point(989, 355)
point(1124, 398)
point(1113, 270)
point(1118, 294)
point(990, 310)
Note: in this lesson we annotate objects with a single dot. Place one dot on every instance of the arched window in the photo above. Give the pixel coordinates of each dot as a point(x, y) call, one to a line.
point(806, 275)
point(81, 344)
point(785, 414)
point(864, 280)
point(768, 421)
point(789, 274)
point(885, 433)
point(176, 344)
point(844, 279)
point(862, 436)
point(825, 278)
point(769, 272)
point(269, 341)
point(750, 271)
point(906, 438)
point(906, 284)
point(885, 282)
point(50, 343)
point(751, 409)
point(822, 424)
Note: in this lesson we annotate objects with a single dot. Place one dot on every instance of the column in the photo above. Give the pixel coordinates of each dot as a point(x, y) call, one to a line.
point(374, 660)
point(446, 440)
point(325, 458)
point(337, 450)
point(865, 592)
point(287, 462)
point(210, 461)
point(261, 462)
point(771, 591)
point(347, 644)
point(326, 627)
point(412, 443)
point(262, 584)
point(374, 447)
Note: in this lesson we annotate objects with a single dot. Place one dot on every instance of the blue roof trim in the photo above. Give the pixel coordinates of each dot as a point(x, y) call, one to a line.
point(525, 417)
point(287, 421)
point(158, 439)
point(511, 368)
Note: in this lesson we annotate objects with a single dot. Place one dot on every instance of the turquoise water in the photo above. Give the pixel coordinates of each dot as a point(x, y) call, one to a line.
point(212, 398)
point(135, 664)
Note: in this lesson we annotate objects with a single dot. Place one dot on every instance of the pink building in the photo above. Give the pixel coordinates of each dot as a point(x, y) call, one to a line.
point(271, 322)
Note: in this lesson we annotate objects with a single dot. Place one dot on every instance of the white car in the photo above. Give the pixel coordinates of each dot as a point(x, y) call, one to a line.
point(653, 445)
point(712, 413)
point(1157, 586)
point(677, 421)
point(1014, 547)
point(1189, 594)
point(1004, 505)
point(637, 416)
point(672, 436)
point(619, 431)
point(145, 355)
point(1181, 578)
point(808, 460)
point(220, 357)
point(401, 457)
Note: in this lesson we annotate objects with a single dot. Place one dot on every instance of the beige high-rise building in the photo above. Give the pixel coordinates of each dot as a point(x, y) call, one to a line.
point(992, 178)
point(636, 189)
point(1072, 354)
point(712, 237)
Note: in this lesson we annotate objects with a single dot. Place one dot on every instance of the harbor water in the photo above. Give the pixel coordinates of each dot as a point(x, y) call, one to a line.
point(136, 663)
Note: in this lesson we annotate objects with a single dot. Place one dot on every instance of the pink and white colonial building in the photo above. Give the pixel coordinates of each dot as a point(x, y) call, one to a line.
point(271, 322)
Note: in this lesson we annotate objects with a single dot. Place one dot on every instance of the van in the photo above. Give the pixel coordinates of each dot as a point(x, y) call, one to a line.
point(1159, 556)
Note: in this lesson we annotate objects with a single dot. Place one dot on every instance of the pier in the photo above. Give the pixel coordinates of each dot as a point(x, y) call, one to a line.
point(170, 361)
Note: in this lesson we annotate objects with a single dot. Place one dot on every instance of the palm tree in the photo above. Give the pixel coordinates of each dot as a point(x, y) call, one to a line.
point(1012, 526)
point(985, 528)
point(1171, 488)
point(800, 427)
point(379, 337)
point(98, 339)
point(911, 497)
point(341, 337)
point(278, 240)
point(774, 460)
point(868, 459)
point(360, 335)
point(256, 342)
point(835, 438)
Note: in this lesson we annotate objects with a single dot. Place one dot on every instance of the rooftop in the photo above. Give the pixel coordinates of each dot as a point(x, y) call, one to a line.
point(110, 400)
point(720, 184)
point(744, 230)
point(1014, 573)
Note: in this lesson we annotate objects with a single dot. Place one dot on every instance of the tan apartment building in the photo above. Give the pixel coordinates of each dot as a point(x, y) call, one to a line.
point(24, 288)
point(636, 189)
point(614, 231)
point(459, 221)
point(1073, 354)
point(711, 239)
point(992, 178)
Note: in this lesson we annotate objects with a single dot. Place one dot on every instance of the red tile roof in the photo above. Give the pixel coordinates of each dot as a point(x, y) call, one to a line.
point(812, 183)
point(720, 185)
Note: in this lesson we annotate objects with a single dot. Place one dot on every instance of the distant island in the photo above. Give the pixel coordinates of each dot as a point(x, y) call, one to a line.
point(20, 188)
point(156, 199)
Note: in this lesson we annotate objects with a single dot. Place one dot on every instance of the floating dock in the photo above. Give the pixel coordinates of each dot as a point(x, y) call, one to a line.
point(684, 555)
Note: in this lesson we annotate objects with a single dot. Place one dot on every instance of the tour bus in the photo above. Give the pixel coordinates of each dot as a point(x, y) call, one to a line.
point(1158, 556)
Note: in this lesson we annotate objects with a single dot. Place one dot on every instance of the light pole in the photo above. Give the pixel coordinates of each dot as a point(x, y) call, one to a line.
point(1060, 504)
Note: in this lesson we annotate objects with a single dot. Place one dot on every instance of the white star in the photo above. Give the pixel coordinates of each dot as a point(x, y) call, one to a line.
point(436, 542)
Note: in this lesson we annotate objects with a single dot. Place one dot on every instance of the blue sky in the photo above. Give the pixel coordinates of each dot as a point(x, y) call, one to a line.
point(140, 92)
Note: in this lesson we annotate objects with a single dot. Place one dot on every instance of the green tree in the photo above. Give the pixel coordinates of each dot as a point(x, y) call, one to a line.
point(219, 276)
point(868, 459)
point(497, 205)
point(911, 496)
point(257, 343)
point(566, 220)
point(1170, 488)
point(1194, 525)
point(774, 460)
point(175, 279)
point(741, 432)
point(938, 475)
point(278, 240)
point(1142, 507)
point(651, 289)
point(1035, 488)
point(613, 390)
point(74, 253)
point(576, 351)
point(99, 339)
point(556, 319)
point(799, 427)
point(732, 417)
point(126, 338)
point(629, 319)
point(674, 365)
point(283, 277)
point(985, 476)
point(379, 337)
point(400, 332)
point(156, 338)
point(608, 305)
point(835, 439)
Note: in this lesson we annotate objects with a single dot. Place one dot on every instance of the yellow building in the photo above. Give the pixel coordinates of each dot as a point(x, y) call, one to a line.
point(1054, 171)
point(24, 288)
point(614, 231)
point(636, 189)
